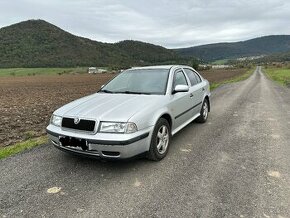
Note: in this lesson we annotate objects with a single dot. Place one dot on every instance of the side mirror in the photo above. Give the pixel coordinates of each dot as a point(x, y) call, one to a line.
point(181, 88)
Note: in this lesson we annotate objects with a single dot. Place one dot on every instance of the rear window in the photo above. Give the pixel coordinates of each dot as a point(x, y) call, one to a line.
point(191, 75)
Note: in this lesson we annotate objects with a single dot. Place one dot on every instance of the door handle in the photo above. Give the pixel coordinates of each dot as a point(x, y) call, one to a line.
point(203, 89)
point(191, 95)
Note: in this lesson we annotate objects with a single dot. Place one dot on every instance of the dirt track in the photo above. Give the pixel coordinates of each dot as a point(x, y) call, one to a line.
point(26, 103)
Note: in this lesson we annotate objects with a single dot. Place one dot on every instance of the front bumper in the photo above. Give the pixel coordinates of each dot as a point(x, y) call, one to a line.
point(104, 145)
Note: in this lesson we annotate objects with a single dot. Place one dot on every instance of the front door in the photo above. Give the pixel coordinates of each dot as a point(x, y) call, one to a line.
point(181, 103)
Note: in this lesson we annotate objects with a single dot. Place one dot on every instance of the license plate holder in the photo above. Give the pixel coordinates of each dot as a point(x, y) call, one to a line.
point(67, 141)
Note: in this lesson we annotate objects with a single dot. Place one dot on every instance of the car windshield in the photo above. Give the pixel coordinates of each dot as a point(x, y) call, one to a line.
point(139, 81)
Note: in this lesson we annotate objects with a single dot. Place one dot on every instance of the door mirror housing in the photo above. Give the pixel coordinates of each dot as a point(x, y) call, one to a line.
point(181, 88)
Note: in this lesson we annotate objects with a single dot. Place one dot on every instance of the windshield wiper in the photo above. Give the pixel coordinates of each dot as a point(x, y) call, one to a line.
point(106, 91)
point(137, 93)
point(125, 92)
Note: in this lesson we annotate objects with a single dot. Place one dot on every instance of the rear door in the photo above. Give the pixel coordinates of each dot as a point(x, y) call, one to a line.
point(196, 90)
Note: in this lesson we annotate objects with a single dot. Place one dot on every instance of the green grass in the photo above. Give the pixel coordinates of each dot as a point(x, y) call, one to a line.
point(22, 146)
point(246, 75)
point(220, 62)
point(280, 75)
point(40, 71)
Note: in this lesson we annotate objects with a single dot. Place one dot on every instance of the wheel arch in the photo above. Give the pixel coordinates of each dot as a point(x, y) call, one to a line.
point(167, 117)
point(208, 101)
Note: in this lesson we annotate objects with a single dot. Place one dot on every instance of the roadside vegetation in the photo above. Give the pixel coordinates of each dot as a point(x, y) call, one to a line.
point(40, 71)
point(21, 146)
point(280, 74)
point(220, 62)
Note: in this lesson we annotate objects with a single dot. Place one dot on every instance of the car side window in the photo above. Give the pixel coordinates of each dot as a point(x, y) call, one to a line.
point(197, 77)
point(179, 79)
point(191, 75)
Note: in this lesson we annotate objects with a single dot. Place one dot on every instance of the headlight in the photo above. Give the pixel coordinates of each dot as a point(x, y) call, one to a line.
point(56, 120)
point(112, 127)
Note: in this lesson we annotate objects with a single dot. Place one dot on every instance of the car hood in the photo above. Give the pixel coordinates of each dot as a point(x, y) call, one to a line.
point(108, 107)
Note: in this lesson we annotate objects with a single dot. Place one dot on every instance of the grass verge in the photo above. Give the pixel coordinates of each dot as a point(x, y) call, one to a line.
point(280, 75)
point(21, 146)
point(220, 62)
point(246, 75)
point(40, 71)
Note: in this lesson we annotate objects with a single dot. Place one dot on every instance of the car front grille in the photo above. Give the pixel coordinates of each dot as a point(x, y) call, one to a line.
point(82, 125)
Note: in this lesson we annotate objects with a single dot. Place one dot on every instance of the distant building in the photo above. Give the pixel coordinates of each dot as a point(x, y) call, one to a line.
point(222, 66)
point(92, 70)
point(204, 66)
point(250, 58)
point(100, 70)
point(96, 70)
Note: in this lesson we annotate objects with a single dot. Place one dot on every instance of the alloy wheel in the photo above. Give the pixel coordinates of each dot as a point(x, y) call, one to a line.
point(162, 139)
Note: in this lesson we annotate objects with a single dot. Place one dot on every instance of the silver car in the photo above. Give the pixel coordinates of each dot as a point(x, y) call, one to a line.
point(137, 112)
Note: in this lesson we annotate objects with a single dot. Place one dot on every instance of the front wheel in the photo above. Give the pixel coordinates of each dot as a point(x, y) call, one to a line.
point(203, 112)
point(160, 140)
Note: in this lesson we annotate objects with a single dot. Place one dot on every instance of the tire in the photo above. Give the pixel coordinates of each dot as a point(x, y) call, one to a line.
point(203, 112)
point(160, 140)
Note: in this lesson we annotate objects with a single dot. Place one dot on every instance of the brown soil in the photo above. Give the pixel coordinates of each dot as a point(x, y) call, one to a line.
point(219, 75)
point(26, 103)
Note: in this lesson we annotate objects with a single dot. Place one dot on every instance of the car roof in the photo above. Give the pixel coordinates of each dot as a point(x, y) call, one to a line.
point(159, 67)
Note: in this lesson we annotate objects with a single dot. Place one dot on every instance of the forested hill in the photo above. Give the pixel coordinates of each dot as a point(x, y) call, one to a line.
point(258, 46)
point(37, 43)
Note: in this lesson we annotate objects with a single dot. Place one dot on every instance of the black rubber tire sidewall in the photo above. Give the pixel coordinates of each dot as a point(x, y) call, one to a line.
point(201, 119)
point(153, 154)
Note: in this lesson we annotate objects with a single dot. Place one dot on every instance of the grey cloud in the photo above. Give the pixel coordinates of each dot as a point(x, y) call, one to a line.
point(169, 23)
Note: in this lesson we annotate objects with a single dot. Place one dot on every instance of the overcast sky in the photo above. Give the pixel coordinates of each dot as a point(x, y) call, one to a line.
point(168, 23)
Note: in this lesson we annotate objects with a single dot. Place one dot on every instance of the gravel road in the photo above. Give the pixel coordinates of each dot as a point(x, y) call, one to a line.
point(235, 165)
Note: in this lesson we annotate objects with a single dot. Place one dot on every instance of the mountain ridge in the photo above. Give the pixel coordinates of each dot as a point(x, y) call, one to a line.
point(264, 45)
point(37, 43)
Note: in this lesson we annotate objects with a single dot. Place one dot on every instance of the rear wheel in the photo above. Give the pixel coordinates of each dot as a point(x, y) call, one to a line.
point(203, 112)
point(160, 140)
